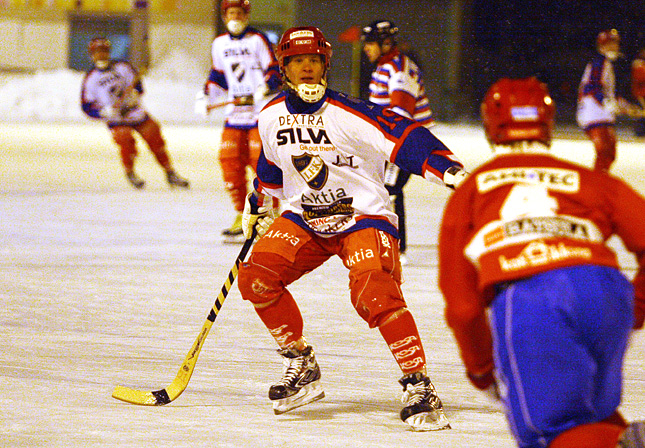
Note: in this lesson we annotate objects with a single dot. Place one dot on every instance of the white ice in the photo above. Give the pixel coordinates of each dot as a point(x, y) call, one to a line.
point(102, 285)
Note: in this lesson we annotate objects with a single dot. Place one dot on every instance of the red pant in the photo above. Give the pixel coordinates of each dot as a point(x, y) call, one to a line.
point(151, 133)
point(239, 148)
point(287, 252)
point(604, 142)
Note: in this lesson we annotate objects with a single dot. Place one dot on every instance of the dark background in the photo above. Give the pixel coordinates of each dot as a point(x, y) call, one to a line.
point(551, 40)
point(463, 46)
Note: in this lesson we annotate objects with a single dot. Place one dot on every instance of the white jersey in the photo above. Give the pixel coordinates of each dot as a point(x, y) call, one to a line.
point(112, 87)
point(396, 72)
point(326, 160)
point(241, 65)
point(597, 94)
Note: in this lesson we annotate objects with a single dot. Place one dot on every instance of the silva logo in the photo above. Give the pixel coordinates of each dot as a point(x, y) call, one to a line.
point(298, 135)
point(237, 52)
point(312, 168)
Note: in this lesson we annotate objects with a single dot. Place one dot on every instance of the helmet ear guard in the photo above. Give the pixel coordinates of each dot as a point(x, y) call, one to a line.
point(518, 110)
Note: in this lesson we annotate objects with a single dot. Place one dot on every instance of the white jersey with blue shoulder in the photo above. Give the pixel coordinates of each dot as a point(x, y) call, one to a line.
point(326, 160)
point(241, 64)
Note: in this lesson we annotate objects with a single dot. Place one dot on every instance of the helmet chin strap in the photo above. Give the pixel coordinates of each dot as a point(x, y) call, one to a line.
point(309, 93)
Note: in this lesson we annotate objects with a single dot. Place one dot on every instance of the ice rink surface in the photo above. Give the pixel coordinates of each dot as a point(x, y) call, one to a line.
point(102, 285)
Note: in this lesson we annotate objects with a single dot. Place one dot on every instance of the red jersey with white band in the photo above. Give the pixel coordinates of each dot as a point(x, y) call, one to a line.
point(523, 214)
point(326, 160)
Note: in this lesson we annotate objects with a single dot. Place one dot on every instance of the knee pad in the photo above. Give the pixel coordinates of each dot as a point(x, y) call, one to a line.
point(376, 295)
point(258, 283)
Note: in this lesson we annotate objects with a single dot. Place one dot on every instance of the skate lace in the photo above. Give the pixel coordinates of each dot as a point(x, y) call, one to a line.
point(419, 393)
point(291, 369)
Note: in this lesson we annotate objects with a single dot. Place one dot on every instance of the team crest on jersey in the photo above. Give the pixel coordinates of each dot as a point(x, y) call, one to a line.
point(238, 71)
point(312, 168)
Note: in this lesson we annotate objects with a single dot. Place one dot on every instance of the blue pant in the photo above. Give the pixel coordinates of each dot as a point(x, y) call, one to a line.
point(559, 342)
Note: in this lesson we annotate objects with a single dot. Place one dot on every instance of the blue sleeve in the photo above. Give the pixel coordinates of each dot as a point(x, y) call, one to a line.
point(218, 78)
point(421, 151)
point(416, 149)
point(268, 175)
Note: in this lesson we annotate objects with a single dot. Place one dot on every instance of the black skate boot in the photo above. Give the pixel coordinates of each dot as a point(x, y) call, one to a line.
point(300, 383)
point(135, 180)
point(175, 181)
point(423, 410)
point(633, 437)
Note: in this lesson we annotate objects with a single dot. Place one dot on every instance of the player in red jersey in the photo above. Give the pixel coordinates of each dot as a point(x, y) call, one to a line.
point(534, 296)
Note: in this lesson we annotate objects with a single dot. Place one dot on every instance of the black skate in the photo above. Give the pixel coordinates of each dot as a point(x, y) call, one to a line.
point(423, 410)
point(135, 180)
point(300, 383)
point(175, 181)
point(633, 437)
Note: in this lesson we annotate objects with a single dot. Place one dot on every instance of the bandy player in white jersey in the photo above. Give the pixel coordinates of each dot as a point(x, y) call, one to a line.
point(111, 92)
point(244, 71)
point(324, 156)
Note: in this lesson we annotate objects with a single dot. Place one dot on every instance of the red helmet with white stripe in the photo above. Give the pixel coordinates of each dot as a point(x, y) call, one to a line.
point(303, 40)
point(518, 110)
point(244, 4)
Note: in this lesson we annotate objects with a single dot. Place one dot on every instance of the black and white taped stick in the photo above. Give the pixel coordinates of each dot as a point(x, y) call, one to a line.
point(179, 384)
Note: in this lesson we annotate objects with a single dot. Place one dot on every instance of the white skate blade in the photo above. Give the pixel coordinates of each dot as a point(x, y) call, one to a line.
point(428, 421)
point(308, 394)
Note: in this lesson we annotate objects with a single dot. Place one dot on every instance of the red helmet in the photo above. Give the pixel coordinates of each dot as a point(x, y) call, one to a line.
point(517, 110)
point(607, 36)
point(99, 43)
point(303, 40)
point(244, 4)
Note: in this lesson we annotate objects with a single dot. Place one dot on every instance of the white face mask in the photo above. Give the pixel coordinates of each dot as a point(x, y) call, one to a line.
point(612, 55)
point(236, 27)
point(102, 64)
point(310, 93)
